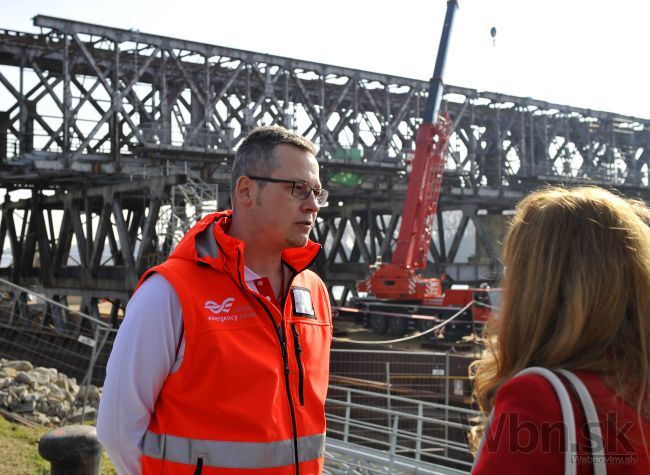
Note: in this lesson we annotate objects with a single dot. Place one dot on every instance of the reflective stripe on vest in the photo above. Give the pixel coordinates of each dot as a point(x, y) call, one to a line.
point(231, 454)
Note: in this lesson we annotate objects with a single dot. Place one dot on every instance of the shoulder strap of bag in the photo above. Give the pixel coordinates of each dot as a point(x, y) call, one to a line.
point(567, 416)
point(593, 423)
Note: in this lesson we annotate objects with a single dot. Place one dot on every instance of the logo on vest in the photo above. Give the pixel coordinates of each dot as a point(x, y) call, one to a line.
point(217, 308)
point(224, 312)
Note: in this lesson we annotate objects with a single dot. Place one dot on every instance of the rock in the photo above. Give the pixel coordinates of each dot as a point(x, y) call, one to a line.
point(43, 390)
point(92, 396)
point(40, 418)
point(43, 406)
point(51, 373)
point(20, 392)
point(9, 372)
point(9, 399)
point(62, 382)
point(25, 378)
point(44, 395)
point(93, 393)
point(56, 407)
point(20, 407)
point(56, 392)
point(44, 375)
point(18, 365)
point(89, 413)
point(71, 397)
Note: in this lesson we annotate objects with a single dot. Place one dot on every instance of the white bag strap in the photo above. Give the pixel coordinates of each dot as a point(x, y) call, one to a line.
point(567, 416)
point(593, 423)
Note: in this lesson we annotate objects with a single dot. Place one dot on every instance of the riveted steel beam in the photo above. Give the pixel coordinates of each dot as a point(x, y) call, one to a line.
point(107, 108)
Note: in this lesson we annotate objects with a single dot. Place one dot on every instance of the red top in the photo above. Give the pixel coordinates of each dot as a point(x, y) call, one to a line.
point(526, 435)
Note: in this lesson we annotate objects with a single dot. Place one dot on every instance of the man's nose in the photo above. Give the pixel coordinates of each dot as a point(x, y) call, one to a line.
point(310, 203)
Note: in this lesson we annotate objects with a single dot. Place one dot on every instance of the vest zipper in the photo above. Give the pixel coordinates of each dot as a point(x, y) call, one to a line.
point(298, 349)
point(199, 466)
point(279, 331)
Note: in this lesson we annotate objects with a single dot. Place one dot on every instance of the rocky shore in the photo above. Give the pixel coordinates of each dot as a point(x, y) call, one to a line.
point(44, 395)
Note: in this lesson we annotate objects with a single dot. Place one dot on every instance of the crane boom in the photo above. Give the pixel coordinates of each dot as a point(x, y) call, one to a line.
point(399, 278)
point(436, 85)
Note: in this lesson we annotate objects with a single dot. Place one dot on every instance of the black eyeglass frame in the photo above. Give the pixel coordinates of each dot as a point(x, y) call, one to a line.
point(321, 194)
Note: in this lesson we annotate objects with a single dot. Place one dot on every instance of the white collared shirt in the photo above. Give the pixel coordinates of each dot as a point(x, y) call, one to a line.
point(135, 373)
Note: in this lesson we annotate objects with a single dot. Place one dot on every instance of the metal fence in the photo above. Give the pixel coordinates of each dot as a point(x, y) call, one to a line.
point(440, 377)
point(53, 334)
point(409, 428)
point(346, 459)
point(411, 405)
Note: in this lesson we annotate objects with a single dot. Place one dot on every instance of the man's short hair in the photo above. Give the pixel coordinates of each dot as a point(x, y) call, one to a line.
point(255, 155)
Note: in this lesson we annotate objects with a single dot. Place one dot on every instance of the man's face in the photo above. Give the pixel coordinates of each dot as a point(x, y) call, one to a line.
point(283, 220)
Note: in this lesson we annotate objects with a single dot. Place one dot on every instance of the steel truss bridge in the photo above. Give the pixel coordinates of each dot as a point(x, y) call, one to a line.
point(122, 138)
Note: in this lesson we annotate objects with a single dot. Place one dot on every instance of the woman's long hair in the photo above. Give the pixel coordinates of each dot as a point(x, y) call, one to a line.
point(576, 293)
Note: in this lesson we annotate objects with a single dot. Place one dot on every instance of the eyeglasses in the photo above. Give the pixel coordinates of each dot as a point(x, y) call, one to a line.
point(300, 189)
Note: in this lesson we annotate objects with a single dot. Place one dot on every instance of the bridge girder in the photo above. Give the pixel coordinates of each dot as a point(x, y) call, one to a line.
point(93, 106)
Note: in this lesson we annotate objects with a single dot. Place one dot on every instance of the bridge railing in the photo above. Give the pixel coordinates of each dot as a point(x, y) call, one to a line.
point(422, 431)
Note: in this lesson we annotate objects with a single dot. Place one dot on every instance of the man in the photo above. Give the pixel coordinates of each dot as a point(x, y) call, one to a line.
point(221, 363)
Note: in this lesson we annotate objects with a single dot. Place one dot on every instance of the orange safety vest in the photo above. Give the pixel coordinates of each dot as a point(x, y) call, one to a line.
point(249, 395)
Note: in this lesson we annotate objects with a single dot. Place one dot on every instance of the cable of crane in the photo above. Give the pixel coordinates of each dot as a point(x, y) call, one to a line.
point(481, 304)
point(412, 337)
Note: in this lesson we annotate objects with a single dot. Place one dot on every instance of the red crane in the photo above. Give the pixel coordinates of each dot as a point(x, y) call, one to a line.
point(401, 279)
point(399, 297)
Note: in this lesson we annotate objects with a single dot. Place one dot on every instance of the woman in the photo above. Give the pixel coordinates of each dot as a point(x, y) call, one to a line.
point(576, 296)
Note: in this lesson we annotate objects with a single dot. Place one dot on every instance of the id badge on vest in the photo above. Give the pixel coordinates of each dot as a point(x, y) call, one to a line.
point(302, 303)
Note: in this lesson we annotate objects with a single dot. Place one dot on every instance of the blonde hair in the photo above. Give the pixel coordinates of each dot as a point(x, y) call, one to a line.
point(576, 293)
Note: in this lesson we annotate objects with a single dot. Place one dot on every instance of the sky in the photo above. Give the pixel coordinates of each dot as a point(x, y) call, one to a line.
point(577, 52)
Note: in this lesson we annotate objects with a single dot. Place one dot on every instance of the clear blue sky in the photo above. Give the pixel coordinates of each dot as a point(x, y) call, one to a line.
point(579, 52)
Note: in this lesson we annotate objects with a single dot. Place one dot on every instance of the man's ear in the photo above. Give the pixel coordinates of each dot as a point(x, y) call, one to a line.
point(244, 190)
